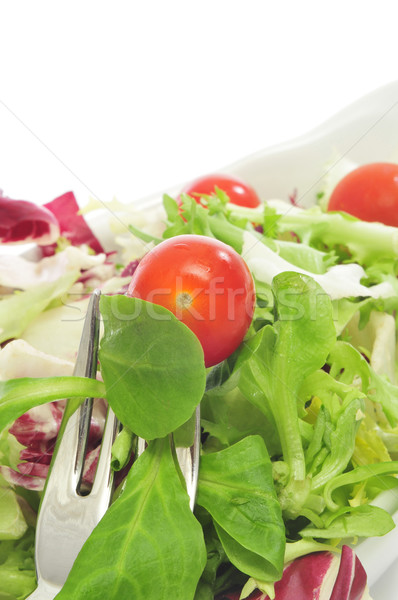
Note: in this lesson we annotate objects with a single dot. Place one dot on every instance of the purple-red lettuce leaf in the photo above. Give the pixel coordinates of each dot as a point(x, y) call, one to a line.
point(73, 225)
point(22, 222)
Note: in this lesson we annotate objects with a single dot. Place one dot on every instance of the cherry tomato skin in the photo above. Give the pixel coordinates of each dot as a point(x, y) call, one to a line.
point(370, 193)
point(238, 191)
point(205, 284)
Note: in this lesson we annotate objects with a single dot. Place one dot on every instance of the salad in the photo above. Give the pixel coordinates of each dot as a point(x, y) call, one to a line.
point(292, 360)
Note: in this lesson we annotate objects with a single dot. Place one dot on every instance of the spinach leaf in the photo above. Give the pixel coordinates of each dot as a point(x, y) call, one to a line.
point(236, 488)
point(152, 366)
point(148, 544)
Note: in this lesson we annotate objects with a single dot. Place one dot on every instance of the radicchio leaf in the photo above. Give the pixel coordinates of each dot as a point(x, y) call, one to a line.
point(72, 224)
point(27, 481)
point(37, 429)
point(23, 222)
point(351, 578)
point(319, 576)
point(38, 424)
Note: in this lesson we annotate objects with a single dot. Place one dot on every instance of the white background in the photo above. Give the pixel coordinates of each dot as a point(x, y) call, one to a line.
point(128, 98)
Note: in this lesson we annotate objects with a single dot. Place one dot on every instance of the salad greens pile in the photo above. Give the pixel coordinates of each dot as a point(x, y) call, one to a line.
point(300, 424)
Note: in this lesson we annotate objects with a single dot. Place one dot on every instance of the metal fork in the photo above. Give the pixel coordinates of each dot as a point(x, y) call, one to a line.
point(67, 516)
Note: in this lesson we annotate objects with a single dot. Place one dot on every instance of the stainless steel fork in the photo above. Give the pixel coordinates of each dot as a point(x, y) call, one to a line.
point(67, 516)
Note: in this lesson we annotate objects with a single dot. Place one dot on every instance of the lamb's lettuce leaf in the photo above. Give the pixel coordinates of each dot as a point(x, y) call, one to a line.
point(17, 396)
point(148, 544)
point(236, 488)
point(152, 366)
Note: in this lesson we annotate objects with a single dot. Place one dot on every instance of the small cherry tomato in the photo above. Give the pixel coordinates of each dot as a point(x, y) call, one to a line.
point(238, 191)
point(205, 284)
point(370, 193)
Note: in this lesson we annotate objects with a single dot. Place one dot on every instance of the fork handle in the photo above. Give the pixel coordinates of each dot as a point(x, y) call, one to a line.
point(44, 591)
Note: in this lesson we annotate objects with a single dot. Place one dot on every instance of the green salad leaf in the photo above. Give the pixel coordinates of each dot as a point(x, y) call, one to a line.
point(12, 521)
point(17, 396)
point(148, 544)
point(366, 241)
point(18, 310)
point(17, 568)
point(236, 488)
point(281, 357)
point(365, 521)
point(152, 366)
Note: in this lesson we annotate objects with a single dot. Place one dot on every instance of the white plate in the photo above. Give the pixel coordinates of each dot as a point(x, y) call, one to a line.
point(365, 131)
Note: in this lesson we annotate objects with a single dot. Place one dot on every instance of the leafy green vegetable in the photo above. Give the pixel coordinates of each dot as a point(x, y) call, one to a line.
point(218, 575)
point(344, 309)
point(122, 448)
point(304, 256)
point(280, 358)
point(360, 474)
point(17, 569)
point(219, 220)
point(363, 520)
point(336, 426)
point(236, 488)
point(152, 366)
point(229, 418)
point(17, 311)
point(366, 241)
point(17, 396)
point(12, 522)
point(148, 544)
point(348, 365)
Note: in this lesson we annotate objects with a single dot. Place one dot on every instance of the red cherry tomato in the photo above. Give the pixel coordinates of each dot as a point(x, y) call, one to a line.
point(238, 191)
point(206, 284)
point(369, 193)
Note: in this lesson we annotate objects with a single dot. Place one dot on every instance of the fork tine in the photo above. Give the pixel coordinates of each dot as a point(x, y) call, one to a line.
point(102, 486)
point(66, 518)
point(86, 366)
point(188, 459)
point(73, 433)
